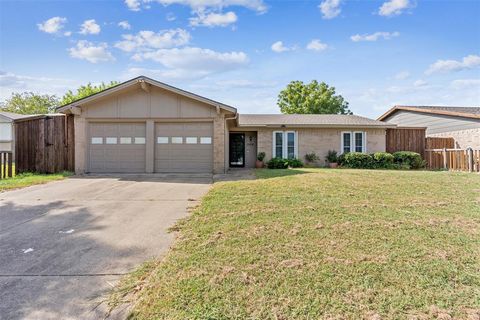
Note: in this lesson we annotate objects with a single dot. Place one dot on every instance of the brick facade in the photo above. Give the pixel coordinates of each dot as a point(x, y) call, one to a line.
point(463, 138)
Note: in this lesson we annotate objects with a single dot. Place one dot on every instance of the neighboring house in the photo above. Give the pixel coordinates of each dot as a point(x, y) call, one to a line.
point(143, 125)
point(7, 132)
point(460, 123)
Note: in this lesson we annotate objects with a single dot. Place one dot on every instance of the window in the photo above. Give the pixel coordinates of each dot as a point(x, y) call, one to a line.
point(111, 140)
point(285, 144)
point(358, 141)
point(177, 140)
point(139, 140)
point(354, 141)
point(125, 140)
point(205, 140)
point(97, 140)
point(162, 140)
point(278, 144)
point(346, 142)
point(191, 140)
point(5, 131)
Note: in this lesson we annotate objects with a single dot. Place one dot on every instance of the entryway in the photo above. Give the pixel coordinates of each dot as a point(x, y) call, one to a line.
point(242, 149)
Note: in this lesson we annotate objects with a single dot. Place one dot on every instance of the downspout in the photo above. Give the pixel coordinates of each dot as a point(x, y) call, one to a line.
point(225, 143)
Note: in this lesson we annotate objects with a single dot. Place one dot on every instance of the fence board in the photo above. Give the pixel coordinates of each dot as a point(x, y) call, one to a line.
point(45, 144)
point(405, 139)
point(6, 164)
point(453, 159)
point(439, 143)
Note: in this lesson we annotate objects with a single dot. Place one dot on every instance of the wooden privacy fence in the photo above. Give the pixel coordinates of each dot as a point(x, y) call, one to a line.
point(453, 159)
point(6, 164)
point(439, 143)
point(44, 144)
point(405, 139)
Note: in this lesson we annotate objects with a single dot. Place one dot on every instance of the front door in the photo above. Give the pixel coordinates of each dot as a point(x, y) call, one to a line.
point(237, 150)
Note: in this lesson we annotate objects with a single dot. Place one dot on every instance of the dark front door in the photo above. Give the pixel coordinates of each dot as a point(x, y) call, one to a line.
point(237, 150)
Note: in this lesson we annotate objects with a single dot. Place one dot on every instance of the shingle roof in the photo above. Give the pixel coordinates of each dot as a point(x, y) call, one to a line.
point(14, 116)
point(309, 120)
point(468, 112)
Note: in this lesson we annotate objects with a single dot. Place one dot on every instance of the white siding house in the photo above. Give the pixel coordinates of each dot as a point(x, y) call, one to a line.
point(7, 132)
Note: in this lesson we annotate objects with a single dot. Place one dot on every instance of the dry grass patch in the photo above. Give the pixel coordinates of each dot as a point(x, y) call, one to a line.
point(321, 244)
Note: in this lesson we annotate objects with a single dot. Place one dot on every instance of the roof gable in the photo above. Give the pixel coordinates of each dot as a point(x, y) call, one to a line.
point(464, 112)
point(141, 80)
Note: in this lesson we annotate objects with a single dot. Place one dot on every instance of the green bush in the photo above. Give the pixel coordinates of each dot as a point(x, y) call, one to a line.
point(383, 160)
point(409, 159)
point(261, 156)
point(311, 157)
point(280, 163)
point(358, 160)
point(341, 159)
point(331, 156)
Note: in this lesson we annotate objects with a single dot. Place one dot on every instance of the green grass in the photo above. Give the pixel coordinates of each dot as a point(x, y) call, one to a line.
point(321, 244)
point(29, 179)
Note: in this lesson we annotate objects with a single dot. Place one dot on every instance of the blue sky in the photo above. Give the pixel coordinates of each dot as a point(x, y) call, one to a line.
point(243, 52)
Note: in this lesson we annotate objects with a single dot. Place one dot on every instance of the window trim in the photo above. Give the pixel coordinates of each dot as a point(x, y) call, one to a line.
point(353, 142)
point(285, 143)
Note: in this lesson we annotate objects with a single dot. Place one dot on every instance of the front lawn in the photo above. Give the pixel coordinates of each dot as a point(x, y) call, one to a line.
point(321, 244)
point(29, 179)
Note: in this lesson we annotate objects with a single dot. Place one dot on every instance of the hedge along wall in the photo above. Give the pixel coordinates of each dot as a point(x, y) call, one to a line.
point(45, 144)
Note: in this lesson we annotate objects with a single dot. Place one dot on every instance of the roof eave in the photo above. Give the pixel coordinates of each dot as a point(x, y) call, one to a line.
point(136, 80)
point(419, 110)
point(283, 125)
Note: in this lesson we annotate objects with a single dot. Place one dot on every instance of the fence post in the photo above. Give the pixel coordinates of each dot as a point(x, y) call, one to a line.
point(470, 159)
point(445, 158)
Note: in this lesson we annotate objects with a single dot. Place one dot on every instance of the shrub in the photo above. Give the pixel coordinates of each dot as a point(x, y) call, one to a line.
point(358, 160)
point(261, 156)
point(331, 156)
point(383, 160)
point(295, 163)
point(408, 158)
point(311, 157)
point(341, 159)
point(280, 163)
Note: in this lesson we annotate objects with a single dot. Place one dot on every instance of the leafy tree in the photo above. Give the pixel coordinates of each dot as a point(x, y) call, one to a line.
point(85, 91)
point(30, 103)
point(311, 98)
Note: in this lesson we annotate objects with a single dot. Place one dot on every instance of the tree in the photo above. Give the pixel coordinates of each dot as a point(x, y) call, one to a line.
point(311, 98)
point(85, 91)
point(30, 103)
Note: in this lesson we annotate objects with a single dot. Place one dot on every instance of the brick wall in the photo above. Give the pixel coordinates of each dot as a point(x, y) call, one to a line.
point(463, 138)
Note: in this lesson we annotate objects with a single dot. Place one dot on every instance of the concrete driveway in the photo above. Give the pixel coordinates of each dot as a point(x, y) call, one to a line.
point(65, 244)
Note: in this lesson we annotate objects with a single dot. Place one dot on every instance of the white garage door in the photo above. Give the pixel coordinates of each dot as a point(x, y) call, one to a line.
point(184, 147)
point(116, 147)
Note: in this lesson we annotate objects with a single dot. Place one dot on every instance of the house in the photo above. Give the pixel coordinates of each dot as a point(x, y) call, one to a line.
point(7, 132)
point(143, 125)
point(460, 123)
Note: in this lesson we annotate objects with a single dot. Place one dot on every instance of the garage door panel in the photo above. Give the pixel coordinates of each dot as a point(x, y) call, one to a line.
point(116, 156)
point(183, 157)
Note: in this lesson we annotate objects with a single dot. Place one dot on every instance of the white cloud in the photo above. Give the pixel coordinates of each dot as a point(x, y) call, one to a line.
point(402, 75)
point(420, 83)
point(280, 47)
point(192, 62)
point(394, 7)
point(90, 27)
point(124, 25)
point(52, 25)
point(330, 8)
point(374, 36)
point(93, 53)
point(170, 16)
point(199, 5)
point(67, 33)
point(10, 83)
point(133, 5)
point(466, 83)
point(316, 45)
point(444, 66)
point(213, 19)
point(151, 40)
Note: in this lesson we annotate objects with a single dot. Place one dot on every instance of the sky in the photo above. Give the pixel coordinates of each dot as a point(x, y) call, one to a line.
point(243, 52)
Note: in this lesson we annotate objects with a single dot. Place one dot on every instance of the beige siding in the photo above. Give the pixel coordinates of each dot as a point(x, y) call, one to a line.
point(320, 140)
point(137, 105)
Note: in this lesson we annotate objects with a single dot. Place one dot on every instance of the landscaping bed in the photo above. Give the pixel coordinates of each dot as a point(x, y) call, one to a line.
point(321, 244)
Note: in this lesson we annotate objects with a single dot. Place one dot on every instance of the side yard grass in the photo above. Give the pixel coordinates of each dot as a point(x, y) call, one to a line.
point(321, 244)
point(29, 179)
